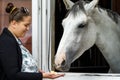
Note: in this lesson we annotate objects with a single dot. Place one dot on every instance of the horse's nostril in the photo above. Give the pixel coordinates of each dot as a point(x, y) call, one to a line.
point(63, 63)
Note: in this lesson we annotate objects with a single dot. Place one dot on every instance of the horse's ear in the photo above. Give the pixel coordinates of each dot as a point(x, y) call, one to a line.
point(90, 6)
point(68, 4)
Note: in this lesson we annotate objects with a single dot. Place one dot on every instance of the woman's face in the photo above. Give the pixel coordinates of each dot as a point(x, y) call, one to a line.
point(22, 27)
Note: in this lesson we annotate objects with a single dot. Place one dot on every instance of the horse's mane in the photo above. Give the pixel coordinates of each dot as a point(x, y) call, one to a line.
point(112, 14)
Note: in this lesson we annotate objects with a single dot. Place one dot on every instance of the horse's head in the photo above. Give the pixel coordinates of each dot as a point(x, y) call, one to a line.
point(79, 34)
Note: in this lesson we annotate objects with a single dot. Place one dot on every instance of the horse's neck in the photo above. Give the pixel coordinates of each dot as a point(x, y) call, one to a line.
point(108, 37)
point(107, 29)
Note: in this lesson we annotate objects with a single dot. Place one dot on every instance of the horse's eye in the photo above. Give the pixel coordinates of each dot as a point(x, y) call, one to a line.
point(81, 26)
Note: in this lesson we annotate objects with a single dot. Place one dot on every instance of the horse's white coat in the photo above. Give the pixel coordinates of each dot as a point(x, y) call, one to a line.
point(100, 30)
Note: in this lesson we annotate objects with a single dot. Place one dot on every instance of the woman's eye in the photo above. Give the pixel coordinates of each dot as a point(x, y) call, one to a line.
point(26, 25)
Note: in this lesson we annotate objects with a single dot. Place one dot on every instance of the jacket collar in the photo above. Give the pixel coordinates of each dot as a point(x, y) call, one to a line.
point(5, 30)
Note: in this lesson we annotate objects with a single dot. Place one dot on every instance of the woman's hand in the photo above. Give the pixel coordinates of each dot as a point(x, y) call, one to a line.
point(41, 71)
point(52, 75)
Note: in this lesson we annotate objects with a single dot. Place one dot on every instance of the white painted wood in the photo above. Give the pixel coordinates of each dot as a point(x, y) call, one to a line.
point(88, 76)
point(35, 28)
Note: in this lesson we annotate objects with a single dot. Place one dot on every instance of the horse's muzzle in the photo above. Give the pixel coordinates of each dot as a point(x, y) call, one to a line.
point(63, 66)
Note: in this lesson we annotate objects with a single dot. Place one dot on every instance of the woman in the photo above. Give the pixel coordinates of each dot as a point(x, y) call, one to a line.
point(16, 63)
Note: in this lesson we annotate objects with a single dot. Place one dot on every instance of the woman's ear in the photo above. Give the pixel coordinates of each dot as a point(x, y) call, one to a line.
point(13, 23)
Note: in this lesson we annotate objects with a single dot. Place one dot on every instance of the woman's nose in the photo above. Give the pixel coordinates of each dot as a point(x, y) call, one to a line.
point(28, 28)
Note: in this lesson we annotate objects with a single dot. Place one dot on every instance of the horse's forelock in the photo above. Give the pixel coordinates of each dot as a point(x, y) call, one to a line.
point(78, 6)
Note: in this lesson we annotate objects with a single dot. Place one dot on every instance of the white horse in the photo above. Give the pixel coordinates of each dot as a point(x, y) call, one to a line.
point(85, 25)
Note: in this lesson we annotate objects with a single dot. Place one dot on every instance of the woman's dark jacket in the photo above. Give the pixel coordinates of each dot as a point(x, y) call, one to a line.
point(11, 59)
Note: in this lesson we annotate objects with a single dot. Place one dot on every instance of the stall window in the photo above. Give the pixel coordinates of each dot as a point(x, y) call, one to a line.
point(92, 60)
